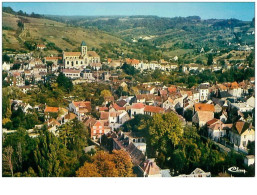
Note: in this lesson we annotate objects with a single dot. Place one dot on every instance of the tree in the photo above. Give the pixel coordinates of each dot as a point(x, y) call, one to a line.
point(137, 125)
point(251, 148)
point(6, 58)
point(49, 64)
point(47, 156)
point(64, 82)
point(123, 163)
point(8, 159)
point(165, 132)
point(210, 60)
point(88, 170)
point(117, 164)
point(106, 93)
point(188, 114)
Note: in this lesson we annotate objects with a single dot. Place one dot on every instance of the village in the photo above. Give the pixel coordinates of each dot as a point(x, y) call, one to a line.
point(222, 112)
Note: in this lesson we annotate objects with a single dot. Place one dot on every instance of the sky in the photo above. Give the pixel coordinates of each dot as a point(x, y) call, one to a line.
point(242, 11)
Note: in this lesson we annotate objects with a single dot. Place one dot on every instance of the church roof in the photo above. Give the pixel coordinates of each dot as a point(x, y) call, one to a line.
point(83, 43)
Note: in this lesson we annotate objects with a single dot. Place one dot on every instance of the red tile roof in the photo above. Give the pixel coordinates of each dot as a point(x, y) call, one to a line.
point(103, 109)
point(104, 115)
point(137, 106)
point(51, 109)
point(212, 121)
point(204, 107)
point(154, 109)
point(40, 45)
point(117, 107)
point(83, 104)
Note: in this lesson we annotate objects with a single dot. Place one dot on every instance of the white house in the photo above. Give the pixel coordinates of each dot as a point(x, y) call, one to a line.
point(137, 108)
point(71, 73)
point(203, 92)
point(249, 160)
point(80, 108)
point(240, 134)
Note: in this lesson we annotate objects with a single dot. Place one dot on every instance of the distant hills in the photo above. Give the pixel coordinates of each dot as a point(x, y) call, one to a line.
point(127, 36)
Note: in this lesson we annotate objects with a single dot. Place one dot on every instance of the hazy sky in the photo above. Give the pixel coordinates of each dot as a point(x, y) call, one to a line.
point(242, 11)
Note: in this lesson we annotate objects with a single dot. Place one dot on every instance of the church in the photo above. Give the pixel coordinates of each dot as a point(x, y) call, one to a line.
point(78, 60)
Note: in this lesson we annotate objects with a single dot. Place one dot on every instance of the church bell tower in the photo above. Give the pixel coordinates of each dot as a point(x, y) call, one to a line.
point(83, 49)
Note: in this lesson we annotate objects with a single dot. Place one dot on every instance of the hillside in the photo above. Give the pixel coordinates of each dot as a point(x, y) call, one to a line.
point(141, 37)
point(165, 32)
point(44, 31)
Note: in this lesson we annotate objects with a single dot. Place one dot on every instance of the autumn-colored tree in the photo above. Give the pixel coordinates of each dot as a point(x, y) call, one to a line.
point(123, 163)
point(106, 93)
point(88, 170)
point(117, 164)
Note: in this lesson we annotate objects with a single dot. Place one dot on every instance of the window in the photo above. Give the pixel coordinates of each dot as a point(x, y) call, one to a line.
point(100, 131)
point(94, 131)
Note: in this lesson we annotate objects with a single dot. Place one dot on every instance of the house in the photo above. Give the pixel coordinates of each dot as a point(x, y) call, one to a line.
point(149, 168)
point(41, 46)
point(71, 73)
point(234, 89)
point(240, 134)
point(116, 119)
point(202, 117)
point(97, 130)
point(80, 108)
point(151, 110)
point(145, 98)
point(145, 89)
point(203, 92)
point(203, 113)
point(196, 96)
point(33, 62)
point(68, 117)
point(6, 66)
point(137, 108)
point(122, 103)
point(52, 126)
point(118, 108)
point(51, 112)
point(242, 107)
point(197, 173)
point(249, 160)
point(88, 75)
point(217, 129)
point(204, 107)
point(55, 60)
point(39, 68)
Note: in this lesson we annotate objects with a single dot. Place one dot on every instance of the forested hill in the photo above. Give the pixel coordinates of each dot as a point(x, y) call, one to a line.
point(161, 27)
